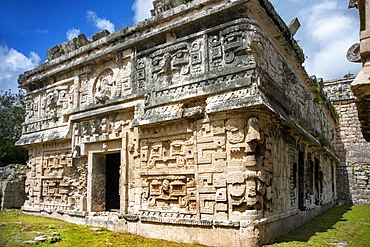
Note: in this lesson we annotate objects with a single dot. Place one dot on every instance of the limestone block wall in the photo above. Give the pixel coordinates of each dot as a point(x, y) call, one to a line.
point(353, 149)
point(13, 195)
point(12, 186)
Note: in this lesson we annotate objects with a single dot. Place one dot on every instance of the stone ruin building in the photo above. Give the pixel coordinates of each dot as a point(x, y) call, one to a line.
point(353, 169)
point(198, 124)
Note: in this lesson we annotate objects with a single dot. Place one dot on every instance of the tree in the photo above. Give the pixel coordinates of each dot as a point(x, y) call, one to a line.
point(12, 113)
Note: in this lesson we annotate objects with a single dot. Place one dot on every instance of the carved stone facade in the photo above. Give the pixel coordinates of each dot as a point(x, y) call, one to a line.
point(202, 116)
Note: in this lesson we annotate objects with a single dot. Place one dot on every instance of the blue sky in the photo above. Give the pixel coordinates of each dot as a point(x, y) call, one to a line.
point(28, 28)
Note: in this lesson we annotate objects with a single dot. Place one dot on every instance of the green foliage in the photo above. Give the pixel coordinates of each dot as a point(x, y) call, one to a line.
point(299, 51)
point(16, 227)
point(321, 98)
point(320, 95)
point(11, 118)
point(55, 118)
point(186, 1)
point(324, 141)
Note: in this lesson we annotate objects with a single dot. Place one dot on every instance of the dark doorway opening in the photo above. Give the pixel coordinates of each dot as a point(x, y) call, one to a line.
point(112, 199)
point(301, 189)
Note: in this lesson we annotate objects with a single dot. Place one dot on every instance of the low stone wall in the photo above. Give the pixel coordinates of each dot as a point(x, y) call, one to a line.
point(12, 186)
point(359, 178)
point(278, 225)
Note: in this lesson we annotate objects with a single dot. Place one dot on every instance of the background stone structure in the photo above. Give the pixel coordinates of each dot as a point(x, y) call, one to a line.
point(360, 52)
point(353, 171)
point(12, 184)
point(197, 125)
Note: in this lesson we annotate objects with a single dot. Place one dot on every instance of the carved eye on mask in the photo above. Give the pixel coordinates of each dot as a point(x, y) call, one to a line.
point(179, 54)
point(231, 39)
point(156, 61)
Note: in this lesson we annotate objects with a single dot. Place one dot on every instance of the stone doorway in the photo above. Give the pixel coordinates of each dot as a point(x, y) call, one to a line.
point(301, 182)
point(105, 177)
point(112, 199)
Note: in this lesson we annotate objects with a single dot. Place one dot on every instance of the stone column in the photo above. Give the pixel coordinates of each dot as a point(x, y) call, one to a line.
point(361, 85)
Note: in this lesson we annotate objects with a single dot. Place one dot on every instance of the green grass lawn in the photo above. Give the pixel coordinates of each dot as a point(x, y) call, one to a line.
point(16, 227)
point(339, 226)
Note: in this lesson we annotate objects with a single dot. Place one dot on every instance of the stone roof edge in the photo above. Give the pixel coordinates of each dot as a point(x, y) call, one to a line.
point(290, 121)
point(48, 135)
point(160, 18)
point(336, 81)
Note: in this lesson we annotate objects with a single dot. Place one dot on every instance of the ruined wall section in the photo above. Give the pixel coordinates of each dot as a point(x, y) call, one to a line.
point(353, 149)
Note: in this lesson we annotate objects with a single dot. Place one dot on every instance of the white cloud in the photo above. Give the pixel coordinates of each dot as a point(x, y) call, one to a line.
point(12, 64)
point(100, 23)
point(328, 30)
point(73, 33)
point(142, 9)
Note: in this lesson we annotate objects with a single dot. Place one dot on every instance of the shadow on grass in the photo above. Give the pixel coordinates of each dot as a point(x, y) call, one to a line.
point(321, 223)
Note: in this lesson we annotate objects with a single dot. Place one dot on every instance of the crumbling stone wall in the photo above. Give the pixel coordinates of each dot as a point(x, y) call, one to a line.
point(12, 186)
point(353, 177)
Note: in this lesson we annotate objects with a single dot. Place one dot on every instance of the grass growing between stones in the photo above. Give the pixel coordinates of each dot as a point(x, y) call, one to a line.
point(339, 226)
point(15, 228)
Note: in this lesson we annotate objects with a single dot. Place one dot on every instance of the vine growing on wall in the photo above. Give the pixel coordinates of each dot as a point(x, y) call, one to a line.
point(299, 51)
point(321, 98)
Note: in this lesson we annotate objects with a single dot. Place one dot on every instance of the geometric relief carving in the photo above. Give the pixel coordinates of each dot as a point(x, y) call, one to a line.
point(221, 195)
point(141, 74)
point(215, 52)
point(205, 152)
point(53, 165)
point(102, 128)
point(232, 46)
point(169, 192)
point(212, 189)
point(169, 63)
point(207, 203)
point(211, 143)
point(174, 154)
point(47, 104)
point(84, 95)
point(205, 183)
point(237, 41)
